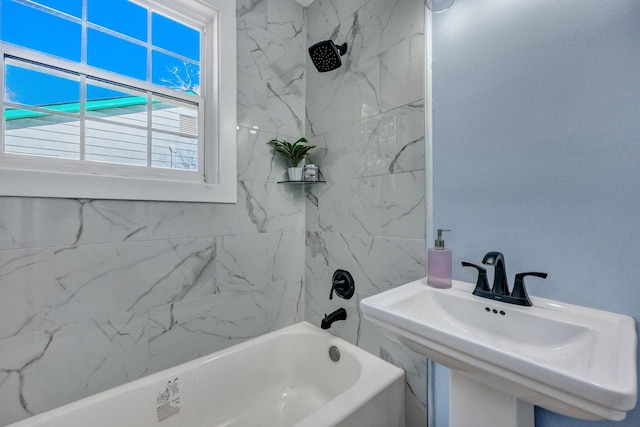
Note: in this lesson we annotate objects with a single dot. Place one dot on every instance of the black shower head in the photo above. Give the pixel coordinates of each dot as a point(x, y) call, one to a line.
point(326, 55)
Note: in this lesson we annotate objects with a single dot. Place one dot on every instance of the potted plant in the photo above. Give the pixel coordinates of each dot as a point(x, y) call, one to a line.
point(293, 153)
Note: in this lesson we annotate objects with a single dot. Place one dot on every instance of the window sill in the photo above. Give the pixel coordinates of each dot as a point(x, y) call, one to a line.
point(32, 183)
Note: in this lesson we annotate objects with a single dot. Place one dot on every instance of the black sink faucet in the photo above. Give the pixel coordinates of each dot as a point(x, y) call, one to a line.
point(500, 284)
point(500, 289)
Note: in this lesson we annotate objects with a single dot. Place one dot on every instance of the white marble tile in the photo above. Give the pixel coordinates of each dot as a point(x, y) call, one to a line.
point(271, 66)
point(40, 222)
point(286, 103)
point(325, 15)
point(95, 259)
point(17, 354)
point(262, 207)
point(247, 261)
point(251, 12)
point(385, 53)
point(377, 27)
point(376, 263)
point(385, 23)
point(318, 154)
point(415, 368)
point(285, 19)
point(11, 408)
point(319, 304)
point(386, 205)
point(267, 56)
point(387, 143)
point(257, 160)
point(175, 220)
point(285, 303)
point(26, 287)
point(94, 281)
point(412, 363)
point(42, 373)
point(112, 221)
point(258, 50)
point(274, 208)
point(276, 105)
point(394, 142)
point(185, 330)
point(348, 31)
point(252, 97)
point(36, 222)
point(402, 73)
point(349, 98)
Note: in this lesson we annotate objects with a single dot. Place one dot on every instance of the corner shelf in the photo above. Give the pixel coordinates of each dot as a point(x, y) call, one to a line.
point(301, 182)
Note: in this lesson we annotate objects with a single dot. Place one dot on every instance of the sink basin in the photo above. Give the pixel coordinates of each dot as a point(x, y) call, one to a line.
point(573, 360)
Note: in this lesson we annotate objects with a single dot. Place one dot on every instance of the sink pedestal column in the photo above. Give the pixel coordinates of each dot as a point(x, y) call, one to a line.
point(475, 404)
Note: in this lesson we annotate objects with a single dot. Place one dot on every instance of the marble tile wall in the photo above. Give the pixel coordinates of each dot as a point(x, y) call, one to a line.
point(367, 119)
point(97, 293)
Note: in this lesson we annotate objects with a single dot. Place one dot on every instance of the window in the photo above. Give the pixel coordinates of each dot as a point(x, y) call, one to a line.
point(118, 99)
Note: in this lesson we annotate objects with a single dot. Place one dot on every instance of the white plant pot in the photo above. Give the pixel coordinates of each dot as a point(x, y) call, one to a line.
point(295, 174)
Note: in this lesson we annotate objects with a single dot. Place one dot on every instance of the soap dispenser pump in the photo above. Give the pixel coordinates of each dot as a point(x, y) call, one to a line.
point(439, 264)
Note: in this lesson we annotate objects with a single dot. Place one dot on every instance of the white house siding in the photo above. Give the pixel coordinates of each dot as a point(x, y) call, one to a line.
point(118, 136)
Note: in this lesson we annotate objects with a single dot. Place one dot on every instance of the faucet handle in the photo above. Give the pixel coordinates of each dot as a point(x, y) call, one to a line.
point(519, 291)
point(343, 284)
point(481, 284)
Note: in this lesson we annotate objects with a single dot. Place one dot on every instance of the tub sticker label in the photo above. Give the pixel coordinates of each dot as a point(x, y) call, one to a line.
point(168, 402)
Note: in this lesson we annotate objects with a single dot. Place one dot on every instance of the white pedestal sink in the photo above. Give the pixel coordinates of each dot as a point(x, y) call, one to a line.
point(474, 404)
point(573, 360)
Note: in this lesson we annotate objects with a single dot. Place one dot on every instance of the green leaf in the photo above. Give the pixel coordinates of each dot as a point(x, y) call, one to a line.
point(295, 152)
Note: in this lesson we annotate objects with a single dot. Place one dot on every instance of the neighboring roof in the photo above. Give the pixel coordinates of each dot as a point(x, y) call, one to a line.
point(74, 107)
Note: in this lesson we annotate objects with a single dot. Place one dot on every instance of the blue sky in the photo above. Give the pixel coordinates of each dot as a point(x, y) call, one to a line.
point(35, 29)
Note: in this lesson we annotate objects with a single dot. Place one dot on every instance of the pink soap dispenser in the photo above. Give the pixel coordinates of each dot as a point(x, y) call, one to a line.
point(439, 264)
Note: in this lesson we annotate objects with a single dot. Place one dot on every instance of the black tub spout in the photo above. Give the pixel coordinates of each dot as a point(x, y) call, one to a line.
point(339, 314)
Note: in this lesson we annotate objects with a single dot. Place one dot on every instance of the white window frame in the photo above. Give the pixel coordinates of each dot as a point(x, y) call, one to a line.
point(33, 176)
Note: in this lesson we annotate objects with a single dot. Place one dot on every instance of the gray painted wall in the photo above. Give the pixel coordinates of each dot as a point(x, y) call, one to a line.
point(537, 149)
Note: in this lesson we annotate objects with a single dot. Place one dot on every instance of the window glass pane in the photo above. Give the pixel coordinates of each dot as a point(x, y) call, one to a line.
point(113, 143)
point(40, 134)
point(173, 151)
point(41, 88)
point(117, 55)
point(31, 28)
point(175, 73)
point(175, 37)
point(170, 150)
point(116, 106)
point(70, 7)
point(110, 14)
point(173, 116)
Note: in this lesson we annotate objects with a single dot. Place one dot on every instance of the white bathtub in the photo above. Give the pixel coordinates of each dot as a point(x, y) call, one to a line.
point(284, 378)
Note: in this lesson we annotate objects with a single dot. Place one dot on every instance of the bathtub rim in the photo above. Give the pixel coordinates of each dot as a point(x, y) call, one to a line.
point(375, 376)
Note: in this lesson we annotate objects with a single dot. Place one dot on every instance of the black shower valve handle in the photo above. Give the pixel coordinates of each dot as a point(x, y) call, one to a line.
point(338, 285)
point(342, 282)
